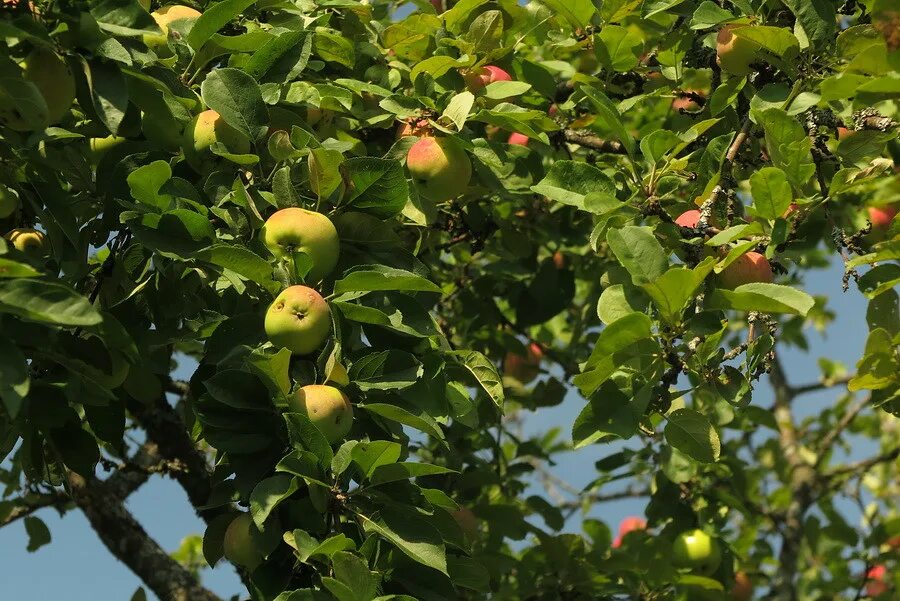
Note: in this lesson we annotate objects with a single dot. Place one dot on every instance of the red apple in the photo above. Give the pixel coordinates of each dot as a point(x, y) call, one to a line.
point(524, 369)
point(479, 78)
point(686, 103)
point(688, 219)
point(844, 132)
point(518, 139)
point(629, 524)
point(559, 260)
point(749, 267)
point(877, 581)
point(742, 589)
point(881, 217)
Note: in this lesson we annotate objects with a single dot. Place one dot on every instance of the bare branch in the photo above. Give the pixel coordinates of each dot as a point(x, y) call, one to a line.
point(835, 432)
point(860, 467)
point(29, 504)
point(821, 385)
point(588, 140)
point(129, 542)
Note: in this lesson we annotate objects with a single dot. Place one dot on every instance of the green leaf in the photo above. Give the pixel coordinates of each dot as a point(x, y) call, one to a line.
point(421, 421)
point(577, 12)
point(609, 115)
point(15, 269)
point(410, 533)
point(485, 373)
point(372, 454)
point(242, 261)
point(38, 533)
point(437, 66)
point(378, 186)
point(788, 145)
point(879, 279)
point(238, 389)
point(486, 31)
point(708, 15)
point(14, 379)
point(692, 434)
point(324, 171)
point(818, 19)
point(608, 414)
point(237, 98)
point(639, 252)
point(108, 92)
point(459, 107)
point(305, 435)
point(619, 48)
point(386, 370)
point(264, 59)
point(500, 90)
point(771, 192)
point(406, 470)
point(618, 336)
point(48, 302)
point(145, 183)
point(123, 18)
point(269, 494)
point(214, 18)
point(569, 182)
point(762, 297)
point(333, 47)
point(379, 277)
point(673, 289)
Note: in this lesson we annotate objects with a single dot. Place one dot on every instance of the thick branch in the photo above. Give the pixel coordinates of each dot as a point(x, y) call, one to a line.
point(133, 475)
point(27, 505)
point(130, 543)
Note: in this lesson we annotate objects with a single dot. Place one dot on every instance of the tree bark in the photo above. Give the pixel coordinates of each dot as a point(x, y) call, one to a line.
point(129, 542)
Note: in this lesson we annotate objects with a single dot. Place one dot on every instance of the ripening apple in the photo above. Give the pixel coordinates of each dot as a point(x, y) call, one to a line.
point(297, 230)
point(749, 267)
point(9, 202)
point(54, 80)
point(559, 260)
point(881, 217)
point(518, 139)
point(440, 168)
point(877, 581)
point(844, 132)
point(327, 407)
point(203, 131)
point(524, 368)
point(298, 319)
point(696, 550)
point(28, 240)
point(734, 54)
point(742, 589)
point(100, 146)
point(688, 219)
point(686, 103)
point(238, 544)
point(159, 43)
point(479, 78)
point(467, 522)
point(629, 524)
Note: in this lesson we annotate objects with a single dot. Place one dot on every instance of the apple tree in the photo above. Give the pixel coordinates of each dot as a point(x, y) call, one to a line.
point(317, 261)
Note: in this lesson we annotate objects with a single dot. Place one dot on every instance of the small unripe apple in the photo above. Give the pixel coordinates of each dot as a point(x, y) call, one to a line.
point(524, 368)
point(749, 267)
point(299, 320)
point(688, 218)
point(734, 54)
point(28, 240)
point(881, 217)
point(203, 131)
point(297, 230)
point(9, 202)
point(159, 43)
point(877, 581)
point(440, 168)
point(467, 522)
point(327, 407)
point(518, 139)
point(238, 544)
point(629, 524)
point(479, 78)
point(53, 78)
point(696, 550)
point(742, 589)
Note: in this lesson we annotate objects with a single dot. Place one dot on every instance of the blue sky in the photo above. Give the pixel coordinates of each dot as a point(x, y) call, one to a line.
point(77, 567)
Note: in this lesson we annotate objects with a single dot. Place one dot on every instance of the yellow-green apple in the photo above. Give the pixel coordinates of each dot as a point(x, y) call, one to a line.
point(327, 407)
point(877, 581)
point(238, 544)
point(881, 217)
point(297, 230)
point(524, 368)
point(629, 524)
point(479, 78)
point(749, 267)
point(9, 202)
point(100, 146)
point(688, 218)
point(54, 80)
point(518, 139)
point(203, 131)
point(298, 319)
point(440, 168)
point(159, 42)
point(696, 550)
point(734, 54)
point(467, 522)
point(28, 240)
point(742, 589)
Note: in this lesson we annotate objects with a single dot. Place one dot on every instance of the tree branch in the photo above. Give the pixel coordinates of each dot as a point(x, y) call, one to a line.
point(861, 466)
point(593, 142)
point(29, 504)
point(130, 543)
point(835, 432)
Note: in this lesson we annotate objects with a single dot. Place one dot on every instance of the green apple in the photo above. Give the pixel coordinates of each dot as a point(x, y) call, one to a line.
point(297, 230)
point(299, 320)
point(327, 407)
point(204, 130)
point(28, 240)
point(749, 267)
point(100, 146)
point(734, 54)
point(696, 550)
point(53, 78)
point(9, 202)
point(159, 42)
point(238, 544)
point(440, 168)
